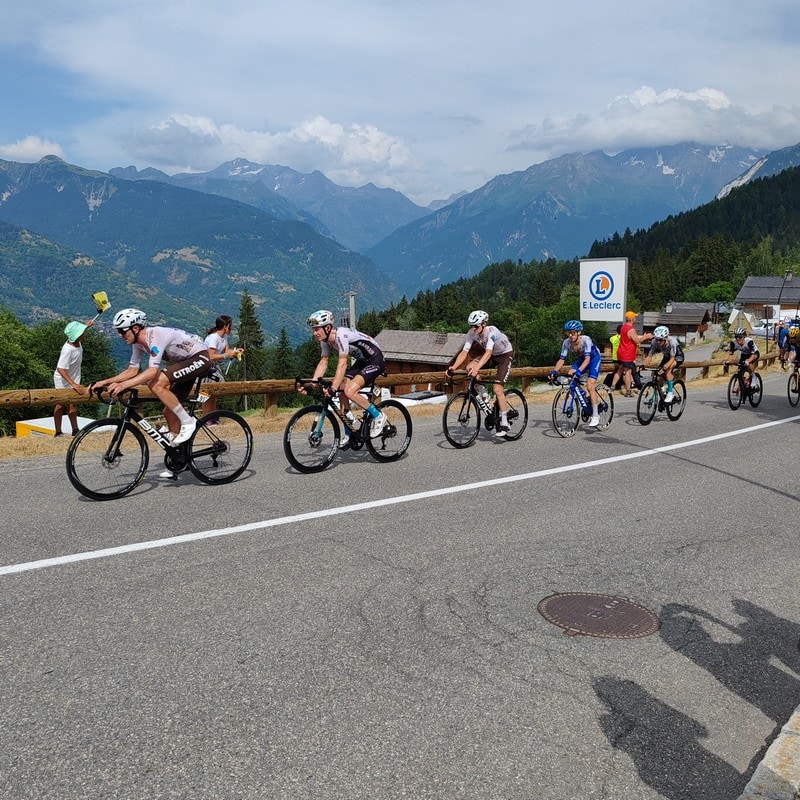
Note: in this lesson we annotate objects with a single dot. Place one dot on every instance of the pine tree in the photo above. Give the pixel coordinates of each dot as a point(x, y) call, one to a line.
point(251, 338)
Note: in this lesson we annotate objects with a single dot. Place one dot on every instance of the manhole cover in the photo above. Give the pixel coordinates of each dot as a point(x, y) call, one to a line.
point(605, 615)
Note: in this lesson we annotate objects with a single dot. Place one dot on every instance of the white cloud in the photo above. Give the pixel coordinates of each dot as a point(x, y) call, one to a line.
point(648, 118)
point(30, 149)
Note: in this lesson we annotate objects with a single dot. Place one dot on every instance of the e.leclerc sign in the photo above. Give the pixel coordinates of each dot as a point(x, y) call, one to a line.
point(604, 288)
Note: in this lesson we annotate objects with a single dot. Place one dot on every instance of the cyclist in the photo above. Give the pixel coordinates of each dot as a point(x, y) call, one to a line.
point(368, 364)
point(747, 349)
point(188, 360)
point(793, 342)
point(587, 361)
point(487, 346)
point(671, 357)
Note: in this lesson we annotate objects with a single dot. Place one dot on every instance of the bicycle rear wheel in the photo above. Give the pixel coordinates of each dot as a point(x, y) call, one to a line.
point(566, 413)
point(605, 410)
point(517, 414)
point(221, 447)
point(647, 403)
point(735, 388)
point(461, 420)
point(675, 408)
point(107, 459)
point(793, 389)
point(311, 439)
point(395, 437)
point(755, 391)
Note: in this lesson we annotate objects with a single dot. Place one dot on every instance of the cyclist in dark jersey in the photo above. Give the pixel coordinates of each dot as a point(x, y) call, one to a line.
point(671, 357)
point(747, 349)
point(368, 363)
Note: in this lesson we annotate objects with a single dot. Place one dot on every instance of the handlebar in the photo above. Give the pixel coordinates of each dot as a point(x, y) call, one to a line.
point(127, 397)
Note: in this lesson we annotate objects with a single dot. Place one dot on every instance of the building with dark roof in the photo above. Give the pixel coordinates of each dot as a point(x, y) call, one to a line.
point(770, 296)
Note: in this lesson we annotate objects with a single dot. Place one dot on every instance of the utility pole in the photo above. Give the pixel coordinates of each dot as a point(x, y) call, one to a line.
point(352, 296)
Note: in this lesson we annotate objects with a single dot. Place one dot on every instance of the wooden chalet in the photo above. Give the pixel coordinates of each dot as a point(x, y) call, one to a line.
point(770, 296)
point(418, 351)
point(688, 321)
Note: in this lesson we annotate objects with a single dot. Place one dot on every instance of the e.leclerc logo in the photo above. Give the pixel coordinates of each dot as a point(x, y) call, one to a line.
point(601, 287)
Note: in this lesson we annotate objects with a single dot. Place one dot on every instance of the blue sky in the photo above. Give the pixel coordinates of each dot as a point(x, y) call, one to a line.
point(429, 98)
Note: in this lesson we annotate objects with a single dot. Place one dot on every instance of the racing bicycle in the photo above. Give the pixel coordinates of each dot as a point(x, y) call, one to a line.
point(109, 457)
point(793, 384)
point(572, 405)
point(651, 398)
point(744, 385)
point(313, 435)
point(461, 418)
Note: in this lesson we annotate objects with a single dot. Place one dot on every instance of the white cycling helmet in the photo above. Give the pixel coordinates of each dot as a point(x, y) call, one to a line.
point(661, 332)
point(320, 318)
point(477, 318)
point(127, 317)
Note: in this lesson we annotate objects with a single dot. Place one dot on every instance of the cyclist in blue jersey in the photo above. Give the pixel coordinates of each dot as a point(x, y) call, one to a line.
point(587, 361)
point(368, 364)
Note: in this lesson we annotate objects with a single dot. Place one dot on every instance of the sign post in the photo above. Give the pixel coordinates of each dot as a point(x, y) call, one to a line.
point(604, 289)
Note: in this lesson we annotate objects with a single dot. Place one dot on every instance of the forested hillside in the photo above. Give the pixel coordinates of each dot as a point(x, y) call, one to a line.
point(701, 255)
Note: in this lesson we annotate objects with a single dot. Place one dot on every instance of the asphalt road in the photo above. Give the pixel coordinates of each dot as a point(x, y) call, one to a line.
point(372, 631)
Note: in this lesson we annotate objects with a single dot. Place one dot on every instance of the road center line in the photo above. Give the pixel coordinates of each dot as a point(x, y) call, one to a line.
point(389, 501)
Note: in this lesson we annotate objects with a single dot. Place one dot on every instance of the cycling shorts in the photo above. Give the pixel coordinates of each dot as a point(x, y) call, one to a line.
point(182, 374)
point(593, 370)
point(503, 365)
point(370, 370)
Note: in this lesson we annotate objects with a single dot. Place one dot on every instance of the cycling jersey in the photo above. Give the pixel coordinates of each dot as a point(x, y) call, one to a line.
point(747, 348)
point(583, 346)
point(490, 338)
point(350, 342)
point(171, 344)
point(670, 348)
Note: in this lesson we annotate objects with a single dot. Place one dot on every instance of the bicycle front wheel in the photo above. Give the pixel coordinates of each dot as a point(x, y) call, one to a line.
point(647, 403)
point(395, 437)
point(517, 414)
point(221, 447)
point(756, 390)
point(107, 459)
point(461, 420)
point(675, 408)
point(605, 409)
point(735, 392)
point(311, 439)
point(793, 389)
point(566, 413)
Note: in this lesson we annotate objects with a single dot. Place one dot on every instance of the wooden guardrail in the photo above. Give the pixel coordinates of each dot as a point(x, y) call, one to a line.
point(29, 398)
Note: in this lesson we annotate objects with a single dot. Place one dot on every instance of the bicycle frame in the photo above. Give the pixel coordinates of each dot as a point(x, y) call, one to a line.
point(357, 436)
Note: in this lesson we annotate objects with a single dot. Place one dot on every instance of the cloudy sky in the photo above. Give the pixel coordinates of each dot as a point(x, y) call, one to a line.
point(429, 98)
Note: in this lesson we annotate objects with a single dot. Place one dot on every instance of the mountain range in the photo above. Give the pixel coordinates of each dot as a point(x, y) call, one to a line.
point(185, 246)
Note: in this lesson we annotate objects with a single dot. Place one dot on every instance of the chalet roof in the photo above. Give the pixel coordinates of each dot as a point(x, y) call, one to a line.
point(430, 347)
point(759, 290)
point(683, 314)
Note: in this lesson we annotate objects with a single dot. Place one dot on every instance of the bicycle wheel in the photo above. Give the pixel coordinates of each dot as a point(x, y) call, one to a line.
point(735, 392)
point(311, 439)
point(647, 403)
point(395, 437)
point(517, 414)
point(107, 459)
point(221, 447)
point(675, 408)
point(605, 410)
point(756, 390)
point(793, 389)
point(566, 413)
point(461, 420)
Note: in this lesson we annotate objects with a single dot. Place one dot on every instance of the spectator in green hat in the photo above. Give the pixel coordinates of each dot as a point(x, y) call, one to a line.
point(67, 374)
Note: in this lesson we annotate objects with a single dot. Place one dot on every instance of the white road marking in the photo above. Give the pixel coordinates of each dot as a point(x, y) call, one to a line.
point(389, 501)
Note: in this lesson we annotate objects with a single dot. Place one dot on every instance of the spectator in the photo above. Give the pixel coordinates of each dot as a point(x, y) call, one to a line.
point(626, 353)
point(67, 374)
point(218, 350)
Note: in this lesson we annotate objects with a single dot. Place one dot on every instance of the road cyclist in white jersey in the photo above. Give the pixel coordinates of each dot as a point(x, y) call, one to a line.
point(487, 346)
point(587, 362)
point(671, 357)
point(188, 360)
point(367, 365)
point(747, 349)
